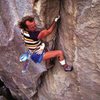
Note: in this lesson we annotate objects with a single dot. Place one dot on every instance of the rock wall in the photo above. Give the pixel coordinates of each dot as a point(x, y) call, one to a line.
point(77, 34)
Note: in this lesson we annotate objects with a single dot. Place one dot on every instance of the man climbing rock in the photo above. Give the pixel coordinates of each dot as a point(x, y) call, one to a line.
point(33, 41)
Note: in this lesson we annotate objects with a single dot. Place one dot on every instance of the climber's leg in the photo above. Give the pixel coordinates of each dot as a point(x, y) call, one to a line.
point(59, 54)
point(52, 54)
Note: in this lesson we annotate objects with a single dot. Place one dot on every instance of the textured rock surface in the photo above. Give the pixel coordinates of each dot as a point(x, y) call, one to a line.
point(78, 36)
point(23, 86)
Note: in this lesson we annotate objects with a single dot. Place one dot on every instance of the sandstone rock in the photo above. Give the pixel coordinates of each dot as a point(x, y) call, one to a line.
point(77, 34)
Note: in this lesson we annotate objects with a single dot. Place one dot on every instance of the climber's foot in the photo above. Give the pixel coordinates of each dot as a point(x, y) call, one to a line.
point(68, 68)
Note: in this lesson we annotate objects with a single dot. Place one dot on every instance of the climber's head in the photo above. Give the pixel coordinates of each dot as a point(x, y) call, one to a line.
point(27, 23)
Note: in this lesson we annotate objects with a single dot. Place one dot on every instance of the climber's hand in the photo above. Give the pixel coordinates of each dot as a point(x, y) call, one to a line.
point(56, 19)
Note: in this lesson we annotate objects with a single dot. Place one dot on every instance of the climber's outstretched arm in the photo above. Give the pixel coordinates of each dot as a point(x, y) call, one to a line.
point(46, 32)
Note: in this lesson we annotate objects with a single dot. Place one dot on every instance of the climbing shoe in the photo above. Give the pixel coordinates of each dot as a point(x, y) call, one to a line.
point(68, 68)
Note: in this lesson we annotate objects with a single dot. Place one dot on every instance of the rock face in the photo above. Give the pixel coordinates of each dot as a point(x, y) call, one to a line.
point(77, 34)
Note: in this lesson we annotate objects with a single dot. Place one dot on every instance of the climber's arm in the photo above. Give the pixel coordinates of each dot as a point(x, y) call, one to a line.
point(46, 32)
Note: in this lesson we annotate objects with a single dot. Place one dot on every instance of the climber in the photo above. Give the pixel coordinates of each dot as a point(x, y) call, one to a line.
point(33, 41)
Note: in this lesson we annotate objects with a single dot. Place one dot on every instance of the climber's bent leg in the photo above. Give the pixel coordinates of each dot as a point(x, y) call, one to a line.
point(52, 54)
point(60, 56)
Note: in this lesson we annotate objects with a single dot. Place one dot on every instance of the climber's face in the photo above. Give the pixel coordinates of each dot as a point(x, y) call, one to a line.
point(31, 25)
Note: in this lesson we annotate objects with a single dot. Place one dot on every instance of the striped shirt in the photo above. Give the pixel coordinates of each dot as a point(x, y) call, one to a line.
point(31, 40)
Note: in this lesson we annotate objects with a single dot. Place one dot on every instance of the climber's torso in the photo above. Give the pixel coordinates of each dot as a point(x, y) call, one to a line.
point(31, 40)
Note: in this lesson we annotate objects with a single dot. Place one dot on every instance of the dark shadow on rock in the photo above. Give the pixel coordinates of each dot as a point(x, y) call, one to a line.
point(4, 91)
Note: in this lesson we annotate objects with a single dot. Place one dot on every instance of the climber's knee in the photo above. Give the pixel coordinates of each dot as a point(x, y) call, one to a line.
point(60, 53)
